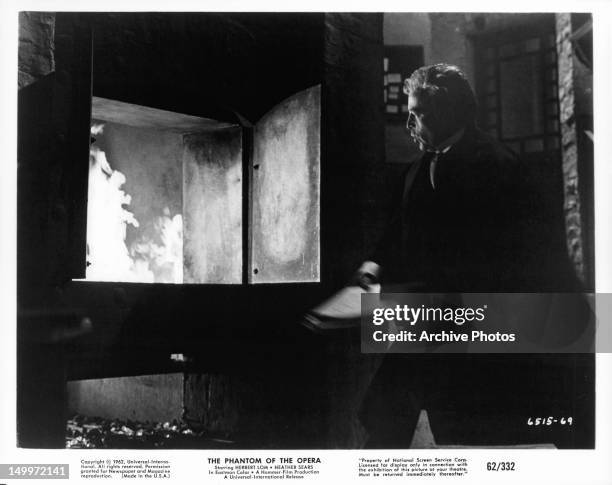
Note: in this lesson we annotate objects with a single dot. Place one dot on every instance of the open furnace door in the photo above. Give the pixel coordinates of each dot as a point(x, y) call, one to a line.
point(285, 220)
point(212, 206)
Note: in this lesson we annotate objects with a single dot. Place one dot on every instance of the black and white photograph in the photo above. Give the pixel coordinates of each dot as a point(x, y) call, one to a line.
point(205, 200)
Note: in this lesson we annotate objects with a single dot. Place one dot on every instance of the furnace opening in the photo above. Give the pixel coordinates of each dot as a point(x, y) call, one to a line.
point(142, 187)
point(166, 196)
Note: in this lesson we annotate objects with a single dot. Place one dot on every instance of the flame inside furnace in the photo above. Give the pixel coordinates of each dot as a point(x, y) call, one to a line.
point(154, 255)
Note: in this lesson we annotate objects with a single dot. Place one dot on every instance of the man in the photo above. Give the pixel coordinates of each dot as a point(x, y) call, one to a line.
point(463, 221)
point(461, 217)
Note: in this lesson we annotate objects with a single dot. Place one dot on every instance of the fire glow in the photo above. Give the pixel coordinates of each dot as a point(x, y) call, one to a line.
point(155, 254)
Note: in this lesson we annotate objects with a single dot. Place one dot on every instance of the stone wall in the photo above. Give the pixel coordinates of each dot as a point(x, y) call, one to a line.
point(574, 151)
point(36, 46)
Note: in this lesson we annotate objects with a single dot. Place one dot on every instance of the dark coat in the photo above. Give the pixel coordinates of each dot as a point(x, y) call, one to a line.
point(477, 231)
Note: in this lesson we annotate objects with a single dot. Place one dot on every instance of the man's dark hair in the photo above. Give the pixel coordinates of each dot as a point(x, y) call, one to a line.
point(447, 88)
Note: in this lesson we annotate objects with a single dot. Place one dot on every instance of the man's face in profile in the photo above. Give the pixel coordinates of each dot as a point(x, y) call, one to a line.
point(426, 129)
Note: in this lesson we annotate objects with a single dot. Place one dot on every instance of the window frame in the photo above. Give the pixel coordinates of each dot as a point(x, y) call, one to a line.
point(487, 57)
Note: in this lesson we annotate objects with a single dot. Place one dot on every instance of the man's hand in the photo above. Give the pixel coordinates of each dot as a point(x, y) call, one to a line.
point(367, 275)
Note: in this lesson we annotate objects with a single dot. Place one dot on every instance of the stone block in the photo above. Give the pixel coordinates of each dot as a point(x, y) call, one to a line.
point(139, 398)
point(568, 135)
point(36, 46)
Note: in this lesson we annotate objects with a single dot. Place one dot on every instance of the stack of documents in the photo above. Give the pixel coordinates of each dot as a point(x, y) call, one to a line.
point(341, 311)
